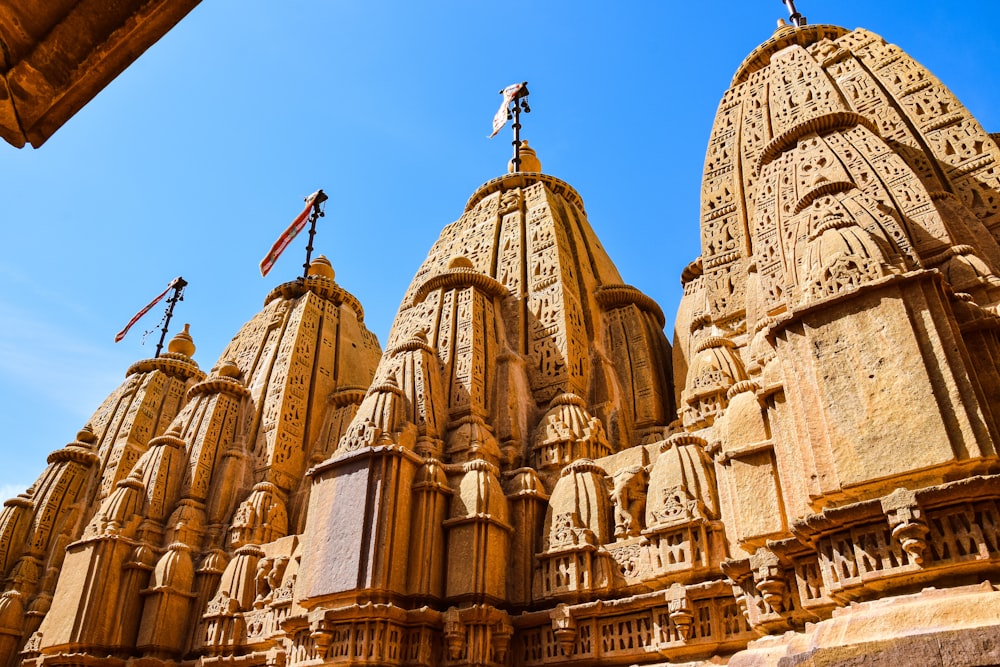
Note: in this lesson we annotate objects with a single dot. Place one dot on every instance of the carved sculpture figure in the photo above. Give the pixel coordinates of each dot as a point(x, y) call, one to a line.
point(628, 496)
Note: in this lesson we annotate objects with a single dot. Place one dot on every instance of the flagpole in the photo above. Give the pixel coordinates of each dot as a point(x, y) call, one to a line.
point(313, 217)
point(178, 295)
point(796, 18)
point(520, 101)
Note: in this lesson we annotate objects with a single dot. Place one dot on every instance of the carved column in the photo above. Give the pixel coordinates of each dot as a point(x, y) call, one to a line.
point(478, 536)
point(527, 500)
point(430, 506)
point(168, 601)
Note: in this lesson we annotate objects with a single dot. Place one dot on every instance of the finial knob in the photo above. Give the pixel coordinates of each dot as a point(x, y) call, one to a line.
point(182, 343)
point(529, 159)
point(321, 268)
point(783, 28)
point(227, 368)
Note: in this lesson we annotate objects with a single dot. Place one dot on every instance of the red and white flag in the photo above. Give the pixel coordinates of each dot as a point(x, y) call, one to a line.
point(500, 119)
point(298, 224)
point(138, 316)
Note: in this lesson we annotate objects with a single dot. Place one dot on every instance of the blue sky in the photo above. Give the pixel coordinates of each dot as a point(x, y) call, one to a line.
point(195, 158)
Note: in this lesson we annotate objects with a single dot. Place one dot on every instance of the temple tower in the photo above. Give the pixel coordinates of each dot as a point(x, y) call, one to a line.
point(517, 357)
point(530, 476)
point(183, 499)
point(838, 336)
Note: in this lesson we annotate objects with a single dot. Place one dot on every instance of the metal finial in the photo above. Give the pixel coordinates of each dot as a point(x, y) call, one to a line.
point(317, 198)
point(178, 286)
point(518, 104)
point(794, 16)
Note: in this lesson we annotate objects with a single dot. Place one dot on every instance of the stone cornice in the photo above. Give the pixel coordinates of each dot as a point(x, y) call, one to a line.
point(824, 122)
point(174, 365)
point(73, 454)
point(325, 288)
point(457, 278)
point(347, 396)
point(523, 180)
point(616, 296)
point(760, 57)
point(219, 385)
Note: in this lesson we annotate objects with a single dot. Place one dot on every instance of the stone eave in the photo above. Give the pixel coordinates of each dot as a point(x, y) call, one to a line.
point(58, 56)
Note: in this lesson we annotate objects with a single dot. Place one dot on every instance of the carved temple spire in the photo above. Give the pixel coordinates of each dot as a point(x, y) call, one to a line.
point(511, 482)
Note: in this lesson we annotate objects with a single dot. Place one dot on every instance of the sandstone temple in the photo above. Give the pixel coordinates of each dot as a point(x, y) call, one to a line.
point(530, 474)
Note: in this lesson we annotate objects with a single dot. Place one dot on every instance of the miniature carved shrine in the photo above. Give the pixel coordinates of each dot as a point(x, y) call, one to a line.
point(530, 474)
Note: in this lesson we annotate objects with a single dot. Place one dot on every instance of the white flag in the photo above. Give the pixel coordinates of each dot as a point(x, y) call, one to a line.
point(500, 119)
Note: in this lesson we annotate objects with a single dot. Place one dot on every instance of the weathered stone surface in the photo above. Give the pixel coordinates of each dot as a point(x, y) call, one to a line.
point(934, 627)
point(59, 54)
point(530, 475)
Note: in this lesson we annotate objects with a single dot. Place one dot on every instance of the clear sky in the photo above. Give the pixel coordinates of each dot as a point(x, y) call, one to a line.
point(196, 157)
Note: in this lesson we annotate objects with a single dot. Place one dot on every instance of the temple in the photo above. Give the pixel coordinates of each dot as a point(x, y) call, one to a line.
point(530, 474)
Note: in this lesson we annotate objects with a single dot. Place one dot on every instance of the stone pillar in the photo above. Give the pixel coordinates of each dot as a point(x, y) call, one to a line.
point(430, 507)
point(527, 500)
point(478, 537)
point(357, 539)
point(167, 602)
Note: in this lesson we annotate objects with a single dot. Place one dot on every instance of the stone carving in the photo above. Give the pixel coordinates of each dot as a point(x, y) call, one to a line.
point(566, 433)
point(530, 475)
point(454, 633)
point(907, 523)
point(564, 628)
point(628, 495)
point(678, 506)
point(680, 611)
point(840, 257)
point(768, 579)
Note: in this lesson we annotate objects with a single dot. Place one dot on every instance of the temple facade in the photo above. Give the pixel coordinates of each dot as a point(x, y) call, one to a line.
point(530, 474)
